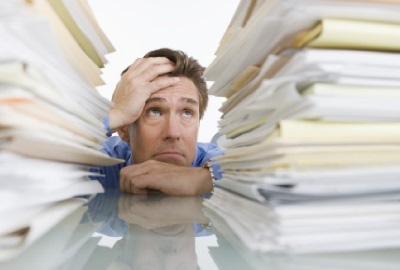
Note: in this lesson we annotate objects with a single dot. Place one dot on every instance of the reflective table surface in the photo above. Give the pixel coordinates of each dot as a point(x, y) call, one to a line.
point(121, 231)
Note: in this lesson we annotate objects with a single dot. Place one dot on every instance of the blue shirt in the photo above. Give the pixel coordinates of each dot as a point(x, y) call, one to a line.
point(117, 148)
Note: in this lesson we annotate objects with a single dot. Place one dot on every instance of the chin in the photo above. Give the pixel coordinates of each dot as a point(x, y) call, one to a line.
point(179, 161)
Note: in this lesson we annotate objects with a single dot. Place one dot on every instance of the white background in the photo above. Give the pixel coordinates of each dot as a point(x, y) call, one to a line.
point(137, 26)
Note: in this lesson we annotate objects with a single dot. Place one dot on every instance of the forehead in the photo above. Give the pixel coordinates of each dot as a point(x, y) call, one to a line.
point(185, 88)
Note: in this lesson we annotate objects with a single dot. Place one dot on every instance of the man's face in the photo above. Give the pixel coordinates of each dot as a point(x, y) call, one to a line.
point(168, 127)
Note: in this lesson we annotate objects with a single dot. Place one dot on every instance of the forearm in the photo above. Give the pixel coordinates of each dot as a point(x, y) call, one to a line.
point(167, 178)
point(203, 183)
point(188, 182)
point(114, 120)
point(117, 120)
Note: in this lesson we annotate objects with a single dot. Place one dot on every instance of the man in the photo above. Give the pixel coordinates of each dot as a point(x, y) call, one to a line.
point(158, 104)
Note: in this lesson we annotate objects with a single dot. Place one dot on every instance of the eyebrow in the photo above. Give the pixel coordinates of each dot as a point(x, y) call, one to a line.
point(160, 99)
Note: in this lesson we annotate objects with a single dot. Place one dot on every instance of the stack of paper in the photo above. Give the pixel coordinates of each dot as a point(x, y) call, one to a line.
point(312, 115)
point(232, 254)
point(51, 116)
point(48, 236)
point(79, 249)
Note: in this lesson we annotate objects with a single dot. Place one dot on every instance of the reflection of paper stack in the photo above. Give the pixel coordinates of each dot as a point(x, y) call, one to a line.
point(47, 235)
point(232, 254)
point(79, 248)
point(51, 116)
point(312, 111)
point(310, 227)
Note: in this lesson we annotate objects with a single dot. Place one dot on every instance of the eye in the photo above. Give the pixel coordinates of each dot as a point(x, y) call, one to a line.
point(153, 112)
point(187, 113)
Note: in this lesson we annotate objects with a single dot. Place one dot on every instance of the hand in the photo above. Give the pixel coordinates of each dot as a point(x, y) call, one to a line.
point(137, 84)
point(164, 177)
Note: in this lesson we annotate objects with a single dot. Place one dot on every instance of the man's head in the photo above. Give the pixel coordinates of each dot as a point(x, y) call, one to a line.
point(168, 126)
point(185, 67)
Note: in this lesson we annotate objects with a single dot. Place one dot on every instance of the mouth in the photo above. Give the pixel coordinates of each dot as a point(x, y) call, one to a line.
point(170, 153)
point(170, 156)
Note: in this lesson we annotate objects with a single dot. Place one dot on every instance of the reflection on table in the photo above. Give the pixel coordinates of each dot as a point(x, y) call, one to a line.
point(158, 231)
point(231, 254)
point(162, 232)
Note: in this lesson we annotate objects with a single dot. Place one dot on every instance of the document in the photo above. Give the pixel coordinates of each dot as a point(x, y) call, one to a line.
point(55, 215)
point(311, 127)
point(51, 123)
point(85, 19)
point(308, 228)
point(352, 34)
point(272, 25)
point(82, 40)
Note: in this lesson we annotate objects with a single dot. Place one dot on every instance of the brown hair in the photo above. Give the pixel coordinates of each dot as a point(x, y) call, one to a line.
point(185, 67)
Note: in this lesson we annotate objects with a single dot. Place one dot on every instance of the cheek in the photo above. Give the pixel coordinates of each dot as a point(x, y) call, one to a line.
point(142, 137)
point(190, 137)
point(191, 130)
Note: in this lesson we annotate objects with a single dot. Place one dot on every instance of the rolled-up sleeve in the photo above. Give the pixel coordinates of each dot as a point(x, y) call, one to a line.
point(206, 152)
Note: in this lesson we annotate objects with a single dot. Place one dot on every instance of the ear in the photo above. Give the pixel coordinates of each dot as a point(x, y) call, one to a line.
point(124, 134)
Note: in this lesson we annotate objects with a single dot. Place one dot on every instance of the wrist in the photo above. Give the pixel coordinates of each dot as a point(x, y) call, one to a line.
point(202, 181)
point(117, 120)
point(209, 174)
point(208, 165)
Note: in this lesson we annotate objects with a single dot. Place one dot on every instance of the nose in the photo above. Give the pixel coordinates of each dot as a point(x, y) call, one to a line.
point(172, 129)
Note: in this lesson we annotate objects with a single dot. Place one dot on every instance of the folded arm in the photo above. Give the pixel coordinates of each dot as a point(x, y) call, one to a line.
point(167, 178)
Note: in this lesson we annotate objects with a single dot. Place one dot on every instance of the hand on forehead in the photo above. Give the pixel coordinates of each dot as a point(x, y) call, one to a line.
point(184, 88)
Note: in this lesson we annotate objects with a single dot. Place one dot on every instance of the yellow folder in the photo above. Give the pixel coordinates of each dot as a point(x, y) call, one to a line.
point(78, 35)
point(351, 34)
point(323, 131)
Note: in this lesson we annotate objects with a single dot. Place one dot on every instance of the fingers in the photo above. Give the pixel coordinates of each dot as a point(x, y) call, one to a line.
point(161, 83)
point(153, 72)
point(150, 68)
point(138, 83)
point(140, 178)
point(166, 178)
point(136, 190)
point(145, 76)
point(142, 64)
point(132, 179)
point(130, 185)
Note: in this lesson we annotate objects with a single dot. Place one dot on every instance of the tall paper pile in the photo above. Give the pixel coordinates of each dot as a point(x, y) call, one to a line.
point(312, 125)
point(51, 116)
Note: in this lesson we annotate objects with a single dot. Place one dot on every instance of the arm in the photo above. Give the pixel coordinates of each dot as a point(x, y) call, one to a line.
point(171, 179)
point(167, 178)
point(140, 81)
point(137, 84)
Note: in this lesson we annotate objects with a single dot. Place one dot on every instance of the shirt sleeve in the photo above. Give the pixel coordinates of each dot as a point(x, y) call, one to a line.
point(106, 122)
point(113, 147)
point(206, 152)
